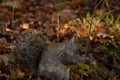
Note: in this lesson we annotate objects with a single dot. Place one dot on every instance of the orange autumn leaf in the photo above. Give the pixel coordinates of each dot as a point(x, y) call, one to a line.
point(99, 29)
point(83, 32)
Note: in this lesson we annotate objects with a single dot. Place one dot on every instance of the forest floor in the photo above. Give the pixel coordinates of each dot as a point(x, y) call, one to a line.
point(60, 21)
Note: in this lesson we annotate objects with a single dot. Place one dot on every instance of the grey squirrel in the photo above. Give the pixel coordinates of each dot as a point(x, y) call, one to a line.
point(32, 52)
point(58, 55)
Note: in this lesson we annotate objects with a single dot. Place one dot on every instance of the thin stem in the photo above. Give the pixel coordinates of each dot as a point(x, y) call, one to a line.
point(58, 28)
point(111, 11)
point(96, 4)
point(13, 12)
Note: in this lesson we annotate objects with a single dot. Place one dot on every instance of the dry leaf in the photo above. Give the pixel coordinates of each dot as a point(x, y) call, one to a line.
point(25, 26)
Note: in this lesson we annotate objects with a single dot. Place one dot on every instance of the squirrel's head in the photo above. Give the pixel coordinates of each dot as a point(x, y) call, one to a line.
point(83, 44)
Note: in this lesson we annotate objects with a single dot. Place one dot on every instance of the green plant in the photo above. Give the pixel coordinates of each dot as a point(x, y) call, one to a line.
point(98, 69)
point(118, 18)
point(83, 68)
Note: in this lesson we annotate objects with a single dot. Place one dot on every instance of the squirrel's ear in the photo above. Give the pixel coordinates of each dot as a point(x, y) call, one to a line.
point(71, 41)
point(74, 38)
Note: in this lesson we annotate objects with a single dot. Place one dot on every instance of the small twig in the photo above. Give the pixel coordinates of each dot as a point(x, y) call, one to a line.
point(111, 11)
point(95, 5)
point(58, 26)
point(13, 13)
point(107, 4)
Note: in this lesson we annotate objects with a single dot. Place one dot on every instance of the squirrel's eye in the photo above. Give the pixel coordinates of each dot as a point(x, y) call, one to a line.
point(83, 45)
